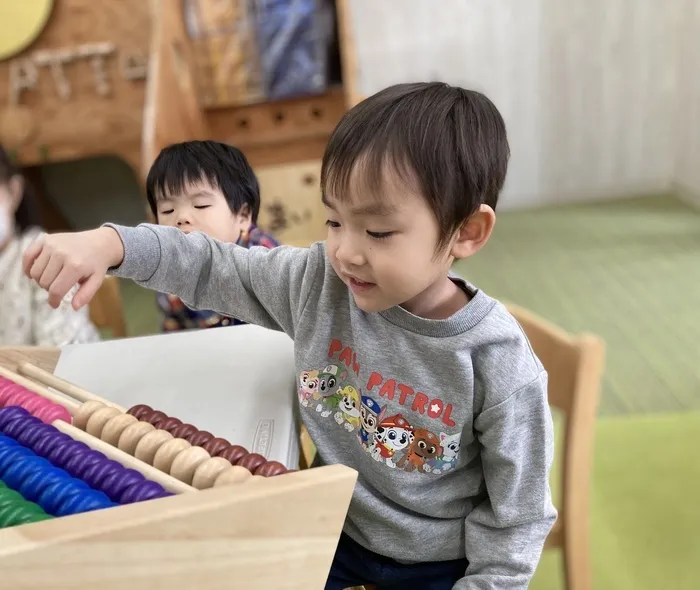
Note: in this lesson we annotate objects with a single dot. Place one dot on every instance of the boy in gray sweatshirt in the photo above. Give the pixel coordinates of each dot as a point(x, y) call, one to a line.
point(414, 377)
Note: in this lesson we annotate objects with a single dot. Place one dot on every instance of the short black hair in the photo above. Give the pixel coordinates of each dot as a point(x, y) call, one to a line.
point(450, 141)
point(223, 166)
point(28, 212)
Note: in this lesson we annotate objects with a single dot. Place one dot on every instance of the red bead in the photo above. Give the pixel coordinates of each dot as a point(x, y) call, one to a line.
point(251, 462)
point(155, 418)
point(270, 469)
point(200, 438)
point(169, 424)
point(183, 431)
point(234, 454)
point(215, 446)
point(139, 410)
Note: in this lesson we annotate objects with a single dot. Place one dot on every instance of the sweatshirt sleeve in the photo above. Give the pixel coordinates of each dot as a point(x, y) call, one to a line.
point(258, 286)
point(506, 533)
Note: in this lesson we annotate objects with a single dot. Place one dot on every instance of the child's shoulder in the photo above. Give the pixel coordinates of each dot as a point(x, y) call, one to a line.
point(503, 359)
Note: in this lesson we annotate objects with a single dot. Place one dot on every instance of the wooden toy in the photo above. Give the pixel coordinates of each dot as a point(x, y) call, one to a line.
point(80, 511)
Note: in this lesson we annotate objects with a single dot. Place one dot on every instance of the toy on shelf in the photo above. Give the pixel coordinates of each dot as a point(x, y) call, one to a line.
point(249, 51)
point(64, 490)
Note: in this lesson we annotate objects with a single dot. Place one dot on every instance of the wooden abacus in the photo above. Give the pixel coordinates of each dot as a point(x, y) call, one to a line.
point(265, 528)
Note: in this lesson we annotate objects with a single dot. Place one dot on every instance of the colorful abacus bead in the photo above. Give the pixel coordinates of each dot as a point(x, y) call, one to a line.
point(52, 488)
point(120, 484)
point(15, 510)
point(12, 394)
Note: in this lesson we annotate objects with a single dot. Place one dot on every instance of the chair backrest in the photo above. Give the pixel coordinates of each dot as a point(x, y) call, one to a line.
point(106, 309)
point(574, 364)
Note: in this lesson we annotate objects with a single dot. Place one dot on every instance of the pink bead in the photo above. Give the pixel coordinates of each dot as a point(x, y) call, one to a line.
point(7, 391)
point(53, 412)
point(34, 403)
point(18, 398)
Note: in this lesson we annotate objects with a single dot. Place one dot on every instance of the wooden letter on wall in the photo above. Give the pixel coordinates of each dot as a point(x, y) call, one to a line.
point(55, 59)
point(23, 76)
point(97, 52)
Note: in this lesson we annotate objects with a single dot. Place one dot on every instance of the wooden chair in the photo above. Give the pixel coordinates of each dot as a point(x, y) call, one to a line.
point(574, 364)
point(106, 310)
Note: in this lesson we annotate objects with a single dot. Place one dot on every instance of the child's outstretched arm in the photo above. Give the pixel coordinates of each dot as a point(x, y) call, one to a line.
point(264, 287)
point(506, 533)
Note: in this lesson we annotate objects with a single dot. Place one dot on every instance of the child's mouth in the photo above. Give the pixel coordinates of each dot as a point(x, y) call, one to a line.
point(360, 286)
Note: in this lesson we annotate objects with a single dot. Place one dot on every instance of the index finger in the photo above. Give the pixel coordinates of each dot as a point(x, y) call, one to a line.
point(31, 254)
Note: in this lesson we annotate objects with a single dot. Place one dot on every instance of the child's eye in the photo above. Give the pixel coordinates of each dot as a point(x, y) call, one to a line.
point(330, 223)
point(380, 235)
point(202, 206)
point(167, 212)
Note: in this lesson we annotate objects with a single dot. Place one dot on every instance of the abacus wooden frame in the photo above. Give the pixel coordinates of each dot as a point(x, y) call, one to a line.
point(278, 532)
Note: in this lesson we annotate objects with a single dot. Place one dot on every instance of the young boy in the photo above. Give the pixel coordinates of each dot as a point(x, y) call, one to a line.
point(210, 187)
point(417, 379)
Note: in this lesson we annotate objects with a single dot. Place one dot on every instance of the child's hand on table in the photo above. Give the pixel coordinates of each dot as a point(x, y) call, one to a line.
point(57, 262)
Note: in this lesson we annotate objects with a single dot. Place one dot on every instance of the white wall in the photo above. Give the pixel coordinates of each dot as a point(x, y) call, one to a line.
point(587, 87)
point(687, 175)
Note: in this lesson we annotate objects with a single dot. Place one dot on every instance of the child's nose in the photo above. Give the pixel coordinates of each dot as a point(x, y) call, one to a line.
point(183, 218)
point(350, 254)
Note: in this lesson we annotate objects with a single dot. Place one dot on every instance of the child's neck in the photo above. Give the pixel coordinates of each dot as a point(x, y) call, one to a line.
point(439, 301)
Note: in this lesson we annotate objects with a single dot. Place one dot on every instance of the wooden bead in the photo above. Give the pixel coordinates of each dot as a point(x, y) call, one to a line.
point(148, 446)
point(207, 472)
point(216, 445)
point(81, 417)
point(251, 462)
point(232, 476)
point(186, 463)
point(114, 428)
point(132, 435)
point(166, 454)
point(99, 418)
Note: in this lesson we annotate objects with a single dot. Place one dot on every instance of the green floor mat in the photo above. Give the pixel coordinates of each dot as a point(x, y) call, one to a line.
point(645, 512)
point(628, 270)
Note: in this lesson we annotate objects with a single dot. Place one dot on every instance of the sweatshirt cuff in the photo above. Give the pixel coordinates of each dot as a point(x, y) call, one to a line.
point(141, 252)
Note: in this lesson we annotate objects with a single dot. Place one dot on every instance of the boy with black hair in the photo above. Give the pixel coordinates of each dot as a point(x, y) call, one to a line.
point(210, 187)
point(420, 381)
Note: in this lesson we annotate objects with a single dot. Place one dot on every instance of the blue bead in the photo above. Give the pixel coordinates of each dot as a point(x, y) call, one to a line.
point(54, 495)
point(22, 467)
point(34, 484)
point(84, 502)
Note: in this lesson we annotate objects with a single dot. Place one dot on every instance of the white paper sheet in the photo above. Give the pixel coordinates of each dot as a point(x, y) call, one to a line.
point(236, 382)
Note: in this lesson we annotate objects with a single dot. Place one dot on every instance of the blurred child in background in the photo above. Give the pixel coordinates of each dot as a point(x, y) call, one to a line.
point(26, 318)
point(209, 187)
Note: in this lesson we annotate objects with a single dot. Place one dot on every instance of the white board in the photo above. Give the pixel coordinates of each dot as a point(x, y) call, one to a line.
point(237, 382)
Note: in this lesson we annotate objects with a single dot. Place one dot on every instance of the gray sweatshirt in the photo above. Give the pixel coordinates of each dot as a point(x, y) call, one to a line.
point(446, 421)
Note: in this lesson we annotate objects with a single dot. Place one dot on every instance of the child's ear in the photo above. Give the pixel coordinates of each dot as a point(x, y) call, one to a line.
point(16, 186)
point(474, 233)
point(245, 213)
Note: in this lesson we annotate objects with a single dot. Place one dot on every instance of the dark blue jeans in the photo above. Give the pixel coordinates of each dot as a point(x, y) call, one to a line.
point(353, 565)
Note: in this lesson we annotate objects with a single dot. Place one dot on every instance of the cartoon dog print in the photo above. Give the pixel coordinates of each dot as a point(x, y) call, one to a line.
point(308, 384)
point(450, 450)
point(424, 447)
point(327, 394)
point(371, 414)
point(349, 408)
point(393, 434)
